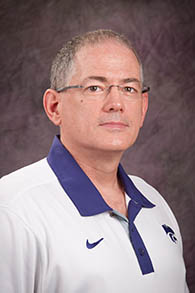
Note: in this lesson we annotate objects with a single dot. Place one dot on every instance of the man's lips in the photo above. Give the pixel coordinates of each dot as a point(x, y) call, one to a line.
point(114, 124)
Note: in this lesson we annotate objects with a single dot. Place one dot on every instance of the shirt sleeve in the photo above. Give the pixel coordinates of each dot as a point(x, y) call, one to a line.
point(20, 256)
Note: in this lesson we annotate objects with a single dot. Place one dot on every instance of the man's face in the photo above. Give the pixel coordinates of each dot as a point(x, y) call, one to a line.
point(109, 122)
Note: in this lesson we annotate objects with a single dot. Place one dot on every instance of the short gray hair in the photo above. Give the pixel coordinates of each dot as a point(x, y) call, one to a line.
point(64, 60)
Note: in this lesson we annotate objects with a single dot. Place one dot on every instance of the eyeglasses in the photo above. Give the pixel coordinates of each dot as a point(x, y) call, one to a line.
point(103, 90)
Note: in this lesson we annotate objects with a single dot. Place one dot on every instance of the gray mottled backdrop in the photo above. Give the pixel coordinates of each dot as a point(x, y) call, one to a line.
point(164, 34)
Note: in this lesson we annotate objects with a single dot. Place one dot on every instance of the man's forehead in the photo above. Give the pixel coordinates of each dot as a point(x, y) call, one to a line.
point(109, 59)
point(104, 79)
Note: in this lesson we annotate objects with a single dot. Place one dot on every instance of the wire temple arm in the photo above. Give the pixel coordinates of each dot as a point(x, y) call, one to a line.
point(69, 87)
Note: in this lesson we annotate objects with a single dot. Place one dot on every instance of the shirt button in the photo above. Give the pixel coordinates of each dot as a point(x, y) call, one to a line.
point(141, 251)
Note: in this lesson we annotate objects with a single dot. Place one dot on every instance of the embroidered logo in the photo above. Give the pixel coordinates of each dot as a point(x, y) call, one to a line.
point(170, 232)
point(92, 245)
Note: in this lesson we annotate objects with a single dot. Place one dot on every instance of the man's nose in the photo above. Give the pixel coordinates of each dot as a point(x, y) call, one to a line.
point(113, 100)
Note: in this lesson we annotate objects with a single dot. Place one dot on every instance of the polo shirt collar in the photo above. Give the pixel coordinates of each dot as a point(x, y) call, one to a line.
point(79, 187)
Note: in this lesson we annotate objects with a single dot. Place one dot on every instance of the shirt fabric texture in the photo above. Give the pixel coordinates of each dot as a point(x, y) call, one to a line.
point(59, 235)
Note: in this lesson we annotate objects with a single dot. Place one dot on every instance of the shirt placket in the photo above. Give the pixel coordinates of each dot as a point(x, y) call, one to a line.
point(141, 252)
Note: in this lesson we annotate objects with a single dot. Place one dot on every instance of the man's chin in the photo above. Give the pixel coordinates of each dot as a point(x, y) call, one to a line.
point(116, 146)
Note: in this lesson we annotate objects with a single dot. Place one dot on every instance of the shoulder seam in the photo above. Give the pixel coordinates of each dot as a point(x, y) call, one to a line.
point(20, 193)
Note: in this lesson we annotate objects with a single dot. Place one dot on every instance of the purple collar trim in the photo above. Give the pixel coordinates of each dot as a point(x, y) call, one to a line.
point(79, 187)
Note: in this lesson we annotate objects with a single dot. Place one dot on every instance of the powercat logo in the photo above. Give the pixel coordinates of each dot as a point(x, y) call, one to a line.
point(170, 232)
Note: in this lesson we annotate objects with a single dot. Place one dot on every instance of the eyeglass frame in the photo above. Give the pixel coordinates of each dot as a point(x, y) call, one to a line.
point(144, 90)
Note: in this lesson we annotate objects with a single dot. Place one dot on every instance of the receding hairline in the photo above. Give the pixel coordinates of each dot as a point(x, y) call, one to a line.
point(106, 42)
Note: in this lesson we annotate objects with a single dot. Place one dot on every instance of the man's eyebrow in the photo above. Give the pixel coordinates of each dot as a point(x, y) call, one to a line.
point(133, 79)
point(93, 77)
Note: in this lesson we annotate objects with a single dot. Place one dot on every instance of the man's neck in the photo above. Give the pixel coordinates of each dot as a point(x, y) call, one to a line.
point(101, 167)
point(103, 174)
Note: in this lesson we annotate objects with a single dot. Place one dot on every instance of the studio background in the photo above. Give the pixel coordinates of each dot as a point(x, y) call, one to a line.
point(163, 33)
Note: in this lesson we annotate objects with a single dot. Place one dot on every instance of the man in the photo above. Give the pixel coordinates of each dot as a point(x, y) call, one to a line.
point(75, 222)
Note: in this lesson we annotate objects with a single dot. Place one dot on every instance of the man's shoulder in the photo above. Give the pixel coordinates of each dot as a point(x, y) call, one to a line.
point(24, 179)
point(150, 192)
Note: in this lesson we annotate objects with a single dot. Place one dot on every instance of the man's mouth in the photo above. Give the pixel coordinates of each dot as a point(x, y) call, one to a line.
point(114, 124)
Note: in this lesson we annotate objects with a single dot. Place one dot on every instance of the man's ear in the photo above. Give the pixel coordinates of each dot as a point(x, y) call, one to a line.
point(52, 105)
point(144, 107)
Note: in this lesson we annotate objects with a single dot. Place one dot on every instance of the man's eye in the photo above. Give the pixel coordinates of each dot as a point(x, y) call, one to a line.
point(129, 89)
point(94, 88)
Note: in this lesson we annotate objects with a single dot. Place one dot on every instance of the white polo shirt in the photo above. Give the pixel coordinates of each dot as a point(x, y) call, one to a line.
point(58, 235)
